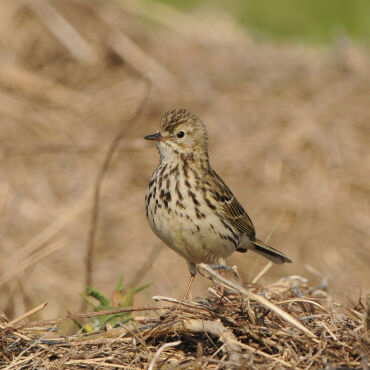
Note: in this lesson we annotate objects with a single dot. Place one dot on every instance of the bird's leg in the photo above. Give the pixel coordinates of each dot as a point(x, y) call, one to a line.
point(193, 271)
point(188, 287)
point(222, 287)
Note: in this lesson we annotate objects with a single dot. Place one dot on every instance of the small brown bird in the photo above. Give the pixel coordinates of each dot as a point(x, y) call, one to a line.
point(189, 207)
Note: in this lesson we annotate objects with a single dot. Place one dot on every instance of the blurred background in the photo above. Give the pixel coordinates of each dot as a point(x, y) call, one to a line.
point(283, 87)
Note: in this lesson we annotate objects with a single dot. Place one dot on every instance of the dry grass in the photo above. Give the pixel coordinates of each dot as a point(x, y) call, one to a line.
point(289, 132)
point(213, 332)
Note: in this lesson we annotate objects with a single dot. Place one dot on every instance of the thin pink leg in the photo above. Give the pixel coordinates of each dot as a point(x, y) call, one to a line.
point(222, 288)
point(188, 287)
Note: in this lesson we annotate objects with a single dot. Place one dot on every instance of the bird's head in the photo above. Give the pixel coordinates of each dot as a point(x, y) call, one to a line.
point(181, 134)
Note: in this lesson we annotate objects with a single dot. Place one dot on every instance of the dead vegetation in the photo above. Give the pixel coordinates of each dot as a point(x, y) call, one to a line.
point(81, 82)
point(285, 325)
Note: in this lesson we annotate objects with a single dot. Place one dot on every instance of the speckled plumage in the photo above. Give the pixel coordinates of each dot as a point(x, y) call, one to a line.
point(188, 206)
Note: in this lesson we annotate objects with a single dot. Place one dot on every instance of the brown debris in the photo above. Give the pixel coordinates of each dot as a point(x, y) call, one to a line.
point(207, 333)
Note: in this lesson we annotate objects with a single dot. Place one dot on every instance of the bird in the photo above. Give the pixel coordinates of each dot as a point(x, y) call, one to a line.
point(189, 207)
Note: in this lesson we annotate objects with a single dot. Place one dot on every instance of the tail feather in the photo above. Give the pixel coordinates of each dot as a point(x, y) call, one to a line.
point(269, 252)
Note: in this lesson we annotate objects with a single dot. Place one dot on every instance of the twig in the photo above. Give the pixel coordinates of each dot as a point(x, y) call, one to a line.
point(264, 354)
point(10, 151)
point(16, 364)
point(16, 267)
point(153, 255)
point(63, 31)
point(38, 86)
point(143, 63)
point(262, 272)
point(23, 337)
point(89, 259)
point(27, 314)
point(90, 315)
point(263, 301)
point(42, 238)
point(183, 303)
point(268, 264)
point(95, 363)
point(329, 331)
point(302, 300)
point(161, 349)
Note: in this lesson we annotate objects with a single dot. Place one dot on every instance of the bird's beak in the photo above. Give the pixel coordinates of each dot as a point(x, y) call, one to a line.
point(156, 137)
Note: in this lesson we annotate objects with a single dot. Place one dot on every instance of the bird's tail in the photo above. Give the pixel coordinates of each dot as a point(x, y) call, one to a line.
point(267, 251)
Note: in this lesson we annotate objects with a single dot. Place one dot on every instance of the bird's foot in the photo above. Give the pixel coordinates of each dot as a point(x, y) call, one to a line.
point(222, 269)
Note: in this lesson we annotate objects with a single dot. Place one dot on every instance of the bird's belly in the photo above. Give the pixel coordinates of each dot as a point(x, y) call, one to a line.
point(197, 240)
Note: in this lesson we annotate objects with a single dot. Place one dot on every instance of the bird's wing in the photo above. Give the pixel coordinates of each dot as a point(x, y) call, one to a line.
point(228, 205)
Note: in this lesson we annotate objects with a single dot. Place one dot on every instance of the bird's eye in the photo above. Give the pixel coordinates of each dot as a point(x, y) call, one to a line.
point(181, 134)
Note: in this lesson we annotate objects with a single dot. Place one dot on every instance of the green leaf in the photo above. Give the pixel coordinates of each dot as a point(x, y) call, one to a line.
point(140, 288)
point(87, 300)
point(119, 286)
point(120, 298)
point(97, 295)
point(127, 299)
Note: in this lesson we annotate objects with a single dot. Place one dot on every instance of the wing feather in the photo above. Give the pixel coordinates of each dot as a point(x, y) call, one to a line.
point(229, 205)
